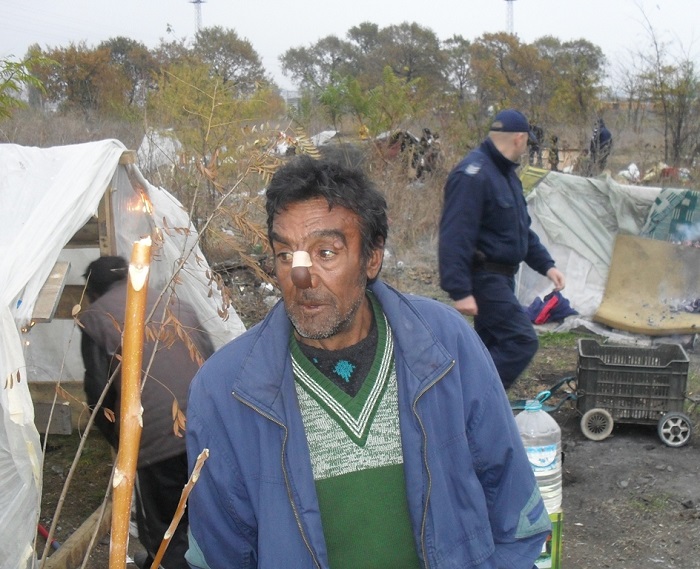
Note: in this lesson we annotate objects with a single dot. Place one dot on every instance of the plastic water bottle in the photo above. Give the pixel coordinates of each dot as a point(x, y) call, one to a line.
point(541, 436)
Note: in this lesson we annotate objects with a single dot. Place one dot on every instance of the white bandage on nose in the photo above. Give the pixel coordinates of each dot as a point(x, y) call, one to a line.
point(301, 259)
point(301, 275)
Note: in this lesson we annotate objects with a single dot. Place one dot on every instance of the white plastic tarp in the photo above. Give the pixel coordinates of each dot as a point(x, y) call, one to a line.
point(40, 213)
point(323, 137)
point(46, 196)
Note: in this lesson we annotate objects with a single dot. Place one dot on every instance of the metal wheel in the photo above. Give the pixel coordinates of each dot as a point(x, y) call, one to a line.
point(675, 429)
point(597, 424)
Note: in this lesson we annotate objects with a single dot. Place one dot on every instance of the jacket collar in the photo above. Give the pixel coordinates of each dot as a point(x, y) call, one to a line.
point(265, 375)
point(414, 341)
point(502, 163)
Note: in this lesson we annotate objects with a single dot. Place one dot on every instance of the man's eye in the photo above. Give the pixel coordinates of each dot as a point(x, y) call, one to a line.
point(284, 257)
point(326, 254)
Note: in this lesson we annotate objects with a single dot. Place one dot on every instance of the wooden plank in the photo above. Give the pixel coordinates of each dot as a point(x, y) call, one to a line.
point(105, 224)
point(87, 236)
point(60, 418)
point(72, 551)
point(44, 391)
point(72, 295)
point(127, 157)
point(50, 293)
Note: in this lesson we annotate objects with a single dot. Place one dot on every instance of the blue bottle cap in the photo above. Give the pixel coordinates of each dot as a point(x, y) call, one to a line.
point(536, 403)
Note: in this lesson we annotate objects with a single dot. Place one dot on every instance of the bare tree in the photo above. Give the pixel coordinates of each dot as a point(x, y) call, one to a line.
point(673, 86)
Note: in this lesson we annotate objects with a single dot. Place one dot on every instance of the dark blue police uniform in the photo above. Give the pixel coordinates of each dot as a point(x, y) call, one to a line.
point(484, 236)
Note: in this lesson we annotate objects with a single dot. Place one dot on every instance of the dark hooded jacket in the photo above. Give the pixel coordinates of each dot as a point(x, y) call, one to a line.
point(170, 374)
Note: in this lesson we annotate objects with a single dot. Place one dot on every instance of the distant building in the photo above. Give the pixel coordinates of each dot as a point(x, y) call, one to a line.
point(291, 98)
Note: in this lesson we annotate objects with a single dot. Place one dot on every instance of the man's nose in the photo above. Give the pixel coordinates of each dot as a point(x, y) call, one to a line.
point(301, 277)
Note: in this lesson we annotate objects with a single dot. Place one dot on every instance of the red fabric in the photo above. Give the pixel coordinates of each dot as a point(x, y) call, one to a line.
point(544, 314)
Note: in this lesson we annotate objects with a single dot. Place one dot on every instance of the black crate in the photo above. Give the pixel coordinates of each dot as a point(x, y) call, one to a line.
point(635, 385)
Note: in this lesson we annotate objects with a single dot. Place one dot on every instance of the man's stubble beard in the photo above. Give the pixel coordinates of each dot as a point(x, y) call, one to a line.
point(332, 325)
point(335, 322)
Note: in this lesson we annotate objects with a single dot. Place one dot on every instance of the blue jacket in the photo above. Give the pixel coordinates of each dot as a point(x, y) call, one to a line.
point(472, 496)
point(485, 210)
point(601, 141)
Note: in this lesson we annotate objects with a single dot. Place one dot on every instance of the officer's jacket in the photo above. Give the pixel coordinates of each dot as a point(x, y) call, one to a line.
point(485, 210)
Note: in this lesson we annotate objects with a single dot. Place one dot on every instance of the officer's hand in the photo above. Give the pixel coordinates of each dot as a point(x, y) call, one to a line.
point(557, 277)
point(467, 306)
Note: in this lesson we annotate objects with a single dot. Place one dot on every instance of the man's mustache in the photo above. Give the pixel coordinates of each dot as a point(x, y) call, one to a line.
point(309, 297)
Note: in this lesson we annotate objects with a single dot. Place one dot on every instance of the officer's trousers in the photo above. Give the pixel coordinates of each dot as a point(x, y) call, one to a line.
point(503, 325)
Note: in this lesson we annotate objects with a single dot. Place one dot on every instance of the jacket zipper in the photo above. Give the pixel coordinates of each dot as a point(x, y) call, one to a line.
point(286, 477)
point(425, 461)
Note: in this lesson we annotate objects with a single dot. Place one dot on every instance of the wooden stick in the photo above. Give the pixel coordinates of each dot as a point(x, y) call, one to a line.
point(130, 410)
point(180, 508)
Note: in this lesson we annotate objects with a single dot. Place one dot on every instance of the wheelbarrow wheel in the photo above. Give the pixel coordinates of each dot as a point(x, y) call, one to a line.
point(597, 424)
point(675, 429)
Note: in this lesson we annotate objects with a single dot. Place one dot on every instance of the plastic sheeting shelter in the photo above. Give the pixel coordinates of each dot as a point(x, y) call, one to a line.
point(46, 197)
point(578, 219)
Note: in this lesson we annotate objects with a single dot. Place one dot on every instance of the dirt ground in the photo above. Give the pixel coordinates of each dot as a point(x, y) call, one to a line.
point(629, 501)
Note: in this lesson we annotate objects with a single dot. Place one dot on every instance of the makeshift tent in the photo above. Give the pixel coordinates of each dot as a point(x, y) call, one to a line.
point(578, 220)
point(49, 199)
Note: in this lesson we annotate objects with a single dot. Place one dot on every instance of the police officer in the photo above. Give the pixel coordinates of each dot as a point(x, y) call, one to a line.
point(484, 236)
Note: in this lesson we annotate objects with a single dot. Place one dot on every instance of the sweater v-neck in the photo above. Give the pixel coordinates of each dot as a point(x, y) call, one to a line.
point(353, 414)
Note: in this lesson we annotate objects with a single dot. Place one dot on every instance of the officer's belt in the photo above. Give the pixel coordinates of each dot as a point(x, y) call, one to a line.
point(508, 270)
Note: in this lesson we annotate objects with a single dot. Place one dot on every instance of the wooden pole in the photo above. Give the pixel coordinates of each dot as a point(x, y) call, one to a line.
point(130, 410)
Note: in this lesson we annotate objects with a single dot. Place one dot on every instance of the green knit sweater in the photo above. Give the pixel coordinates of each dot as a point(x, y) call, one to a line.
point(357, 461)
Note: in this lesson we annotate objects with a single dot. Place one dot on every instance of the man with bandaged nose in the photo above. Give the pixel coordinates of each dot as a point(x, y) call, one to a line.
point(354, 426)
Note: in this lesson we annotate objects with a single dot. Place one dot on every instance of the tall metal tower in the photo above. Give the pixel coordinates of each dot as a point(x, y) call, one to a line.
point(509, 17)
point(197, 14)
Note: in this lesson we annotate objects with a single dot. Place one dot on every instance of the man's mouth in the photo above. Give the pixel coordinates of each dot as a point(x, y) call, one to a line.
point(309, 305)
point(309, 302)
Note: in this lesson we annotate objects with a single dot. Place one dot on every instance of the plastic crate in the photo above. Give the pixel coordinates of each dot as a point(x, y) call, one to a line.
point(635, 385)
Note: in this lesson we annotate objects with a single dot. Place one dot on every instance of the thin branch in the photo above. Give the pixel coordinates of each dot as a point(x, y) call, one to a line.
point(180, 508)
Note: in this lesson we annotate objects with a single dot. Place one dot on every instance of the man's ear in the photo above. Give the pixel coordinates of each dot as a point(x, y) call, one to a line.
point(374, 264)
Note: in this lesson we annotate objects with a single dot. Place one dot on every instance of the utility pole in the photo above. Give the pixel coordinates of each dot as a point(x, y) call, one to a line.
point(197, 14)
point(509, 17)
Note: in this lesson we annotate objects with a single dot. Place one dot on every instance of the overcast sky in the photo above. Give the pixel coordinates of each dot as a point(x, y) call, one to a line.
point(273, 26)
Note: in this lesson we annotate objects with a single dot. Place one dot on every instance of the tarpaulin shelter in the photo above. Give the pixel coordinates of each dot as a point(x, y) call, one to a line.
point(61, 208)
point(579, 219)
